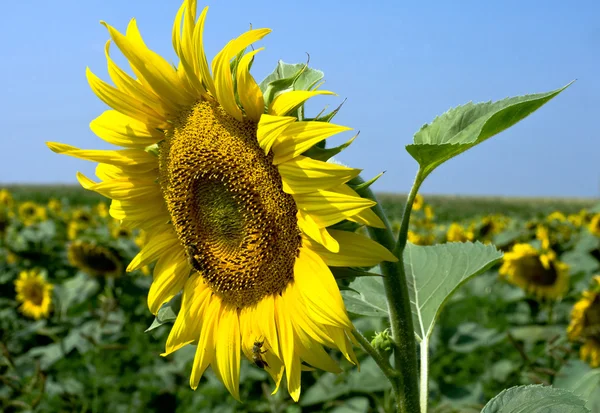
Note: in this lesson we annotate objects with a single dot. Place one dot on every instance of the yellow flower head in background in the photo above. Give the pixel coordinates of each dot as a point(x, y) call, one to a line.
point(419, 239)
point(418, 202)
point(457, 233)
point(223, 192)
point(429, 214)
point(594, 226)
point(94, 259)
point(579, 219)
point(585, 324)
point(31, 213)
point(556, 216)
point(543, 235)
point(6, 199)
point(540, 274)
point(54, 205)
point(118, 231)
point(35, 294)
point(102, 210)
point(82, 217)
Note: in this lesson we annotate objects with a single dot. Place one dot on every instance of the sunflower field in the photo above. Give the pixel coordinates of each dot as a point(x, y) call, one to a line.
point(76, 334)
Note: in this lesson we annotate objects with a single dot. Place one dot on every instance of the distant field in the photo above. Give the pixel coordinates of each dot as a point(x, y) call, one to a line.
point(446, 207)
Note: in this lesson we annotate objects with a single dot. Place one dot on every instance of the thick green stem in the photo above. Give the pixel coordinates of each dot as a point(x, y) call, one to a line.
point(406, 385)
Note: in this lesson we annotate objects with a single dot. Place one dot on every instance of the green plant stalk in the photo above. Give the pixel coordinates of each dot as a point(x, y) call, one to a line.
point(405, 385)
point(424, 382)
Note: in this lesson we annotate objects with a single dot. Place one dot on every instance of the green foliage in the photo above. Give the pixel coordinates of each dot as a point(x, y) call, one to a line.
point(433, 273)
point(463, 127)
point(535, 399)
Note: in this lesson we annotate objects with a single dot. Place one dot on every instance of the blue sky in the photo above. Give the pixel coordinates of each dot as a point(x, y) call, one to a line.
point(399, 64)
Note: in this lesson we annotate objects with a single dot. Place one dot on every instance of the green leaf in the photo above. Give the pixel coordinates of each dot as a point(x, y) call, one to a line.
point(288, 77)
point(350, 272)
point(582, 380)
point(535, 399)
point(434, 272)
point(465, 126)
point(324, 154)
point(167, 313)
point(366, 296)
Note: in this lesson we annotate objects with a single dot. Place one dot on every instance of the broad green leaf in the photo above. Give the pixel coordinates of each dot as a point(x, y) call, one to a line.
point(582, 380)
point(288, 77)
point(433, 273)
point(167, 313)
point(471, 336)
point(535, 399)
point(366, 296)
point(465, 126)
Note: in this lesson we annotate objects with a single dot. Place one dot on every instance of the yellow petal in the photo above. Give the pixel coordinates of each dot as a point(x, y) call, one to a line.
point(228, 351)
point(122, 188)
point(298, 137)
point(155, 71)
point(132, 87)
point(320, 234)
point(302, 174)
point(154, 248)
point(142, 172)
point(314, 354)
point(270, 127)
point(250, 95)
point(170, 273)
point(355, 251)
point(124, 103)
point(319, 290)
point(201, 62)
point(222, 71)
point(187, 326)
point(286, 102)
point(120, 157)
point(205, 352)
point(366, 216)
point(286, 336)
point(122, 130)
point(329, 207)
point(268, 328)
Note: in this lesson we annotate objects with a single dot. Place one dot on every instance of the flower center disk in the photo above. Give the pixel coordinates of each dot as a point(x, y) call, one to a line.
point(227, 205)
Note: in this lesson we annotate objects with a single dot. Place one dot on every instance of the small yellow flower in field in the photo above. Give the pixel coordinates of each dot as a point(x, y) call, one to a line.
point(543, 235)
point(585, 324)
point(556, 216)
point(419, 239)
point(102, 209)
point(539, 274)
point(74, 230)
point(54, 205)
point(6, 199)
point(118, 231)
point(579, 219)
point(492, 225)
point(35, 294)
point(429, 214)
point(141, 238)
point(94, 259)
point(31, 213)
point(594, 226)
point(83, 217)
point(418, 202)
point(457, 233)
point(236, 217)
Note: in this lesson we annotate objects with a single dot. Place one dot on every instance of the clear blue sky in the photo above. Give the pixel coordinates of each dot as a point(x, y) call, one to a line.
point(399, 64)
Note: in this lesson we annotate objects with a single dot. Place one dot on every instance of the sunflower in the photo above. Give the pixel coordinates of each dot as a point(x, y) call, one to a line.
point(6, 199)
point(35, 294)
point(31, 213)
point(54, 205)
point(418, 202)
point(594, 226)
point(94, 259)
point(556, 216)
point(102, 210)
point(214, 173)
point(585, 324)
point(457, 233)
point(538, 273)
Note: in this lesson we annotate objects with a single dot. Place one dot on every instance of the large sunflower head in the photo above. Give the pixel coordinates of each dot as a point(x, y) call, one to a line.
point(94, 259)
point(236, 214)
point(34, 293)
point(31, 213)
point(585, 324)
point(539, 273)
